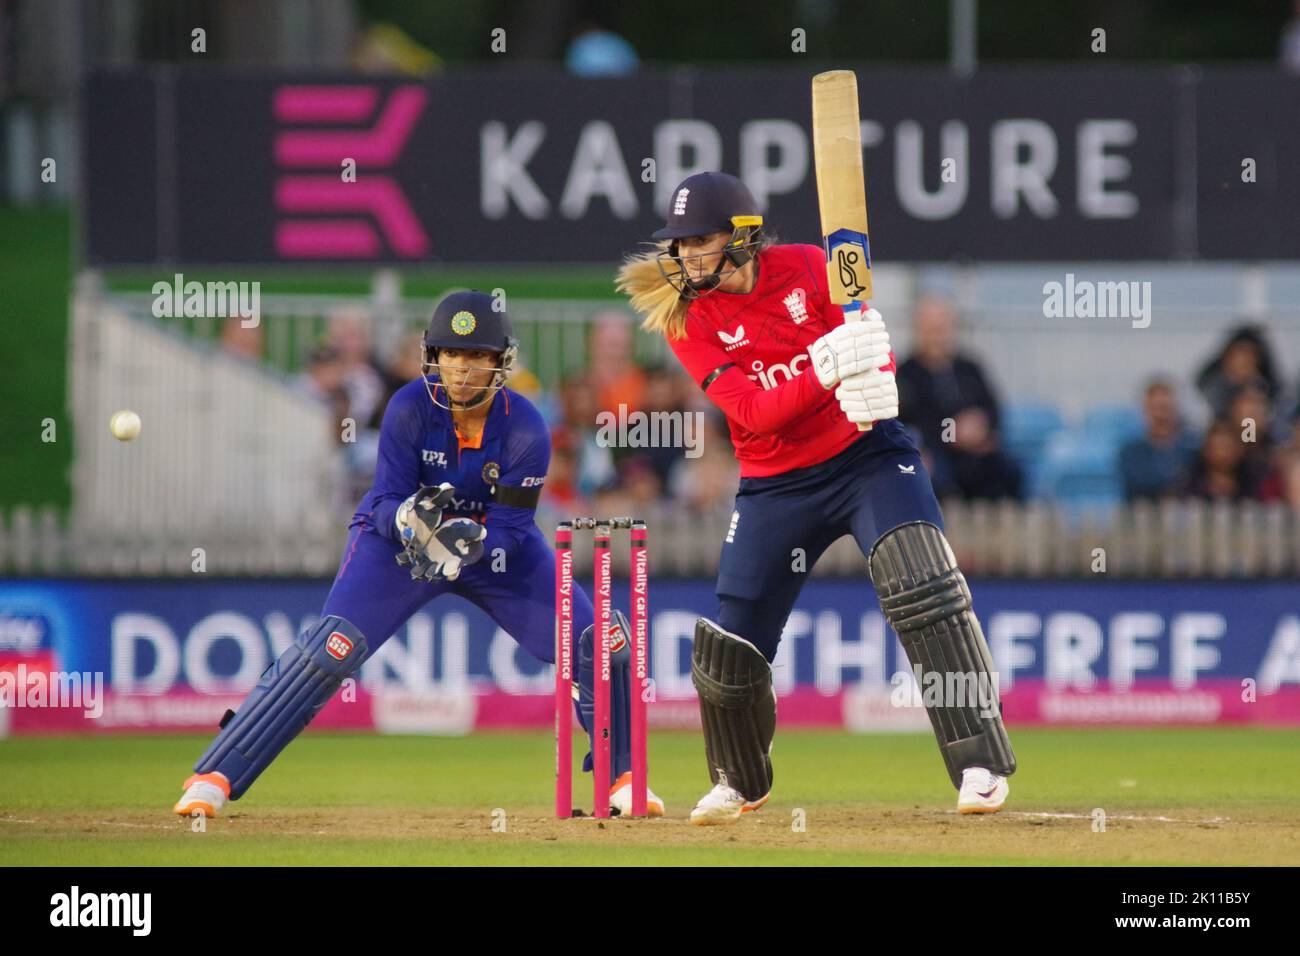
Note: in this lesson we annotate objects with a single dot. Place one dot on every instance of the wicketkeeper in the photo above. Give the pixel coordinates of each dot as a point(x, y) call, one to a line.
point(462, 462)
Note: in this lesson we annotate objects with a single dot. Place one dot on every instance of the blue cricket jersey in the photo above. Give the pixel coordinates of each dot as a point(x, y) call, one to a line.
point(419, 445)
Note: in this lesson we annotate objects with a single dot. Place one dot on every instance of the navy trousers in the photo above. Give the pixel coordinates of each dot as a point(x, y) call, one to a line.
point(783, 523)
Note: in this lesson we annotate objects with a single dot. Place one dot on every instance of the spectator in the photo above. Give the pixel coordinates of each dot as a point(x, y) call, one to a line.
point(614, 373)
point(703, 485)
point(525, 381)
point(1249, 414)
point(1283, 481)
point(349, 334)
point(1219, 473)
point(637, 492)
point(663, 394)
point(1289, 43)
point(944, 395)
point(577, 430)
point(322, 380)
point(641, 483)
point(1159, 462)
point(595, 51)
point(976, 463)
point(403, 367)
point(561, 488)
point(1245, 359)
point(241, 341)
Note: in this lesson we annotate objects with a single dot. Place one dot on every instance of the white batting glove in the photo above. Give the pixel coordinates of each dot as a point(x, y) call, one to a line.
point(869, 396)
point(855, 346)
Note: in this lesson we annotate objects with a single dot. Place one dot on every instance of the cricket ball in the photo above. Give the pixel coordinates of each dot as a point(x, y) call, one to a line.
point(124, 425)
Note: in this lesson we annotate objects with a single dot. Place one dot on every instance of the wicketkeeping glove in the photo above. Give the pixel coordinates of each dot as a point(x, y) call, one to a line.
point(457, 543)
point(418, 518)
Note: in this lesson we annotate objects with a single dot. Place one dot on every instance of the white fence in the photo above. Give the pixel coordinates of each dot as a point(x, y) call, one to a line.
point(230, 460)
point(1005, 539)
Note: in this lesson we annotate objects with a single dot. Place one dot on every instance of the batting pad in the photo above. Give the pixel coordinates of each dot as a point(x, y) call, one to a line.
point(925, 597)
point(737, 708)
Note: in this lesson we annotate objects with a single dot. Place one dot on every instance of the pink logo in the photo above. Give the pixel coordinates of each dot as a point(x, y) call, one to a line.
point(348, 233)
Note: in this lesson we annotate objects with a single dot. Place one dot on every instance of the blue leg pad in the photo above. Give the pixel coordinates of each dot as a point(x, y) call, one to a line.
point(289, 694)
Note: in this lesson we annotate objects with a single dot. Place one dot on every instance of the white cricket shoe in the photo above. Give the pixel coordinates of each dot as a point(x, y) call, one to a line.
point(722, 805)
point(205, 793)
point(620, 798)
point(982, 791)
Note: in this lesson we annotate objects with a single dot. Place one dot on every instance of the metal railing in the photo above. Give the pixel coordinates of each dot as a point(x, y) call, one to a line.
point(554, 334)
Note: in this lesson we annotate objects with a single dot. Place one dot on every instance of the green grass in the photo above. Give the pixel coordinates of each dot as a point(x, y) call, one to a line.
point(877, 799)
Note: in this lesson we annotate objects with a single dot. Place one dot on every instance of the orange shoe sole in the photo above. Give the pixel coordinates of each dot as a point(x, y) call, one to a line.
point(652, 809)
point(751, 807)
point(979, 809)
point(216, 779)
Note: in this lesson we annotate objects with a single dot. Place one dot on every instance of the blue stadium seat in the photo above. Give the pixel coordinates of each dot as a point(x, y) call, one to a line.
point(1026, 430)
point(1114, 423)
point(1080, 471)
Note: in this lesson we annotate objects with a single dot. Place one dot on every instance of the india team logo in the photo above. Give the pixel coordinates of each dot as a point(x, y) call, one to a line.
point(462, 323)
point(797, 305)
point(338, 646)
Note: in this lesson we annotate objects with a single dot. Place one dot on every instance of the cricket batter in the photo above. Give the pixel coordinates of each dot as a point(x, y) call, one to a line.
point(753, 324)
point(462, 461)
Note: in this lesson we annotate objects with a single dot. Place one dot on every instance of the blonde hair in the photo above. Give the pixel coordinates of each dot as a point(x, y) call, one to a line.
point(662, 308)
point(652, 296)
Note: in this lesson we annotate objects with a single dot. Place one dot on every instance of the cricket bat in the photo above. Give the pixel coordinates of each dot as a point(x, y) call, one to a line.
point(842, 191)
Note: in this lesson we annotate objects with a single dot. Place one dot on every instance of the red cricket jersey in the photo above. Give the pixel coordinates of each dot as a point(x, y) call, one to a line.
point(750, 352)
